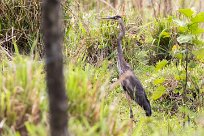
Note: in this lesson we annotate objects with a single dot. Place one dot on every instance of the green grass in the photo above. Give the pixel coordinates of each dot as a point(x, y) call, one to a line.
point(94, 109)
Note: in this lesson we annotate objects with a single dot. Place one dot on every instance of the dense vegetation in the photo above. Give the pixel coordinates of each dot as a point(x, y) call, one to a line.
point(165, 50)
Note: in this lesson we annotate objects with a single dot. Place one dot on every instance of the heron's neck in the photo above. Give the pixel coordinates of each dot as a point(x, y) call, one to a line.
point(119, 50)
point(119, 40)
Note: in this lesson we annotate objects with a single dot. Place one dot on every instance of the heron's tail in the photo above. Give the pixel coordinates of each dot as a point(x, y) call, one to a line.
point(145, 104)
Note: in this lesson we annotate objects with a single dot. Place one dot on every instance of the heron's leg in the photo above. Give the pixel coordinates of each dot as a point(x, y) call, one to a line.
point(129, 103)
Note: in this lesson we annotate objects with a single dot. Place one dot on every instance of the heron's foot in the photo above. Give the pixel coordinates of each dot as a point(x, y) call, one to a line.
point(135, 121)
point(132, 117)
point(131, 114)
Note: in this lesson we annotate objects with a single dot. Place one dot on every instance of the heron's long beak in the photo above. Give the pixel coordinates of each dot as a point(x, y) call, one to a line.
point(107, 18)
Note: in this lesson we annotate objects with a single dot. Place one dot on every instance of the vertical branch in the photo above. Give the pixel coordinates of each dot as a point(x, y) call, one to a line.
point(154, 10)
point(200, 5)
point(134, 4)
point(98, 7)
point(141, 8)
point(165, 8)
point(53, 40)
point(114, 3)
point(123, 6)
point(159, 8)
point(183, 3)
point(109, 5)
point(186, 71)
point(170, 7)
point(186, 82)
point(138, 5)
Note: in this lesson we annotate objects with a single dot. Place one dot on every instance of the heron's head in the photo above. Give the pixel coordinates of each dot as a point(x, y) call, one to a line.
point(117, 17)
point(121, 23)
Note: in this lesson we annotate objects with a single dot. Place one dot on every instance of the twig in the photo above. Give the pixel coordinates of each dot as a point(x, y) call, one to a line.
point(108, 4)
point(7, 39)
point(122, 77)
point(4, 51)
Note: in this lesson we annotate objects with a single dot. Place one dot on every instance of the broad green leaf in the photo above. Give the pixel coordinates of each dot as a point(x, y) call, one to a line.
point(165, 34)
point(161, 64)
point(183, 29)
point(195, 29)
point(187, 12)
point(185, 39)
point(198, 31)
point(178, 55)
point(192, 26)
point(159, 81)
point(198, 18)
point(158, 93)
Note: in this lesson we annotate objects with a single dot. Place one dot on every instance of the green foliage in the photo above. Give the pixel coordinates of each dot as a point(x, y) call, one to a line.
point(199, 18)
point(190, 27)
point(160, 90)
point(165, 36)
point(189, 36)
point(34, 130)
point(199, 54)
point(187, 12)
point(95, 107)
point(20, 21)
point(163, 40)
point(159, 81)
point(161, 64)
point(185, 39)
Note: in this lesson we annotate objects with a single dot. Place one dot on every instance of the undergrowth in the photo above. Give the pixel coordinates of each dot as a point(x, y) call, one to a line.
point(97, 105)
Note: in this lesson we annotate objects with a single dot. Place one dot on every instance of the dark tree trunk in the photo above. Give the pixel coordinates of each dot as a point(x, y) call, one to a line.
point(52, 28)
